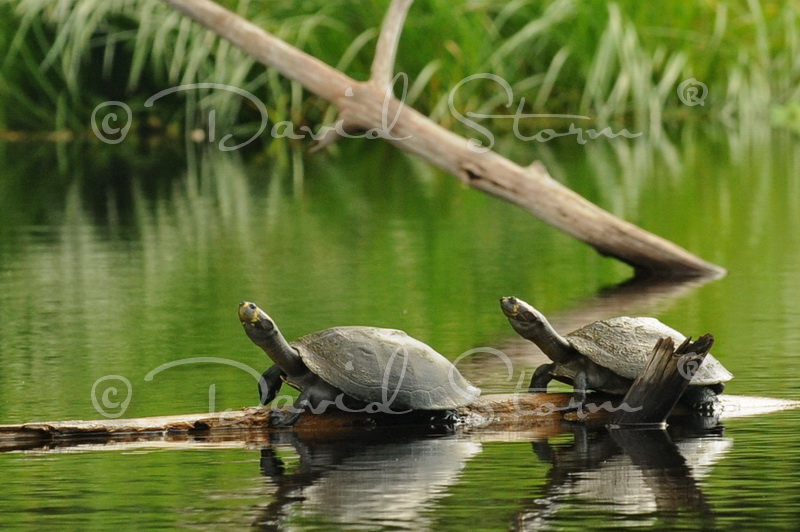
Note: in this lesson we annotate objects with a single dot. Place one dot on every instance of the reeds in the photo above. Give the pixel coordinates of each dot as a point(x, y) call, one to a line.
point(619, 63)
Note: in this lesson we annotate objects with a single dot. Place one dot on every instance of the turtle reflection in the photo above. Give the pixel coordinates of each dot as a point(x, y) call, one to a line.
point(633, 473)
point(372, 481)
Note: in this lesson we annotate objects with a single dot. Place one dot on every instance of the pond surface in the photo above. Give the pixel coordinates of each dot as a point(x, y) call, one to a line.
point(120, 275)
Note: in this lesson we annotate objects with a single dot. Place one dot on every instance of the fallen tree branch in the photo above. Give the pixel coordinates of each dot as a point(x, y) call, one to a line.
point(371, 106)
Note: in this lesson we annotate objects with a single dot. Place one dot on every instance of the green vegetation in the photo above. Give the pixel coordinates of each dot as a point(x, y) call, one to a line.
point(619, 62)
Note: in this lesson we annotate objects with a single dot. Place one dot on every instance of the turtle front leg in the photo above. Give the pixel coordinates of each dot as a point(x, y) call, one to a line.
point(270, 384)
point(541, 378)
point(579, 390)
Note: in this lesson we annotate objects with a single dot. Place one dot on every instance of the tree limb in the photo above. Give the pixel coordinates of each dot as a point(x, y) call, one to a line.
point(386, 50)
point(367, 106)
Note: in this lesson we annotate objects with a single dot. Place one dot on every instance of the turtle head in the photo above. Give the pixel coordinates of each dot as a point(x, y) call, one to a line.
point(523, 317)
point(261, 329)
point(255, 321)
point(532, 325)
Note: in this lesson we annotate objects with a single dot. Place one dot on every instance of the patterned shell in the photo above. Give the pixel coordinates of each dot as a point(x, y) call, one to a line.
point(623, 345)
point(386, 367)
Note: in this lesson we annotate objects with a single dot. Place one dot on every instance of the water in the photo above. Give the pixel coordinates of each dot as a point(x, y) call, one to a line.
point(115, 266)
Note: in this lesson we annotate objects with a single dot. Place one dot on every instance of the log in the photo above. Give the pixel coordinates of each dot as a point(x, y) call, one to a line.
point(656, 390)
point(496, 417)
point(372, 107)
point(490, 412)
point(523, 412)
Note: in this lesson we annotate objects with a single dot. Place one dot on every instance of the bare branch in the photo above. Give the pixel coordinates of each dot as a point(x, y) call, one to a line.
point(370, 107)
point(386, 51)
point(382, 67)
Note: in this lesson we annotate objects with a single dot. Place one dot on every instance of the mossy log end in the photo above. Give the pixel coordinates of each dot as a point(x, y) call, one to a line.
point(658, 387)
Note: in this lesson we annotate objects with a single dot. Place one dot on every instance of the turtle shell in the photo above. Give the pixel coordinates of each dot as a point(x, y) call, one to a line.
point(385, 366)
point(624, 344)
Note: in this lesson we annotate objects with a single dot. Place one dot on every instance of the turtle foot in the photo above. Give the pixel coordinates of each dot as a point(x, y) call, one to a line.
point(702, 400)
point(278, 419)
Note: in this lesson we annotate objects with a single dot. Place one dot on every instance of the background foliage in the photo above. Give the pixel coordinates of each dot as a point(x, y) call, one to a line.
point(618, 62)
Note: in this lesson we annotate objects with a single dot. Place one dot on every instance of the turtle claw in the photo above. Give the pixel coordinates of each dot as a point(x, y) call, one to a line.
point(278, 419)
point(450, 418)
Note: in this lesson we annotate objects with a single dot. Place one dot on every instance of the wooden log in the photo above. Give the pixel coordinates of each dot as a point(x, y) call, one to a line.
point(497, 417)
point(372, 107)
point(661, 383)
point(490, 413)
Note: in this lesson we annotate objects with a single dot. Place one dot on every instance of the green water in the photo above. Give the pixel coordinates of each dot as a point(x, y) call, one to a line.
point(116, 263)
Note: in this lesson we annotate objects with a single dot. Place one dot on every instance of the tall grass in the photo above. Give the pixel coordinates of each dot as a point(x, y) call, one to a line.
point(618, 62)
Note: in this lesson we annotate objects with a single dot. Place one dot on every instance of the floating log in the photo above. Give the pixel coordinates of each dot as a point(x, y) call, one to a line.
point(490, 412)
point(521, 416)
point(661, 383)
point(541, 413)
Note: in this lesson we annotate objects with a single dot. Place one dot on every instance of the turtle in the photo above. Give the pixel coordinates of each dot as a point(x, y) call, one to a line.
point(607, 355)
point(367, 369)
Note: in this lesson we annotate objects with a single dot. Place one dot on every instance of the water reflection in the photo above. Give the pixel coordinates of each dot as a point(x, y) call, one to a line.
point(380, 480)
point(637, 474)
point(367, 481)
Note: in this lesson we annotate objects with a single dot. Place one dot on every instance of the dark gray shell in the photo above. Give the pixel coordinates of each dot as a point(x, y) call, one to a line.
point(385, 366)
point(623, 345)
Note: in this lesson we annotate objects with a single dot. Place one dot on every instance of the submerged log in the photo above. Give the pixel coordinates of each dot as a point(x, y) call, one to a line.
point(372, 107)
point(661, 383)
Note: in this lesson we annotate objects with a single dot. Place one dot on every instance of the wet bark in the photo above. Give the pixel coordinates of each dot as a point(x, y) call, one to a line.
point(661, 383)
point(492, 417)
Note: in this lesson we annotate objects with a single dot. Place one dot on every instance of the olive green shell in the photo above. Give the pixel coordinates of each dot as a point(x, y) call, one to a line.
point(385, 366)
point(623, 345)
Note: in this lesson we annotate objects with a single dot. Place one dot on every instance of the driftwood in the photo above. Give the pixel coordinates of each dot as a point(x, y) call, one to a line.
point(371, 106)
point(518, 417)
point(661, 383)
point(491, 412)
